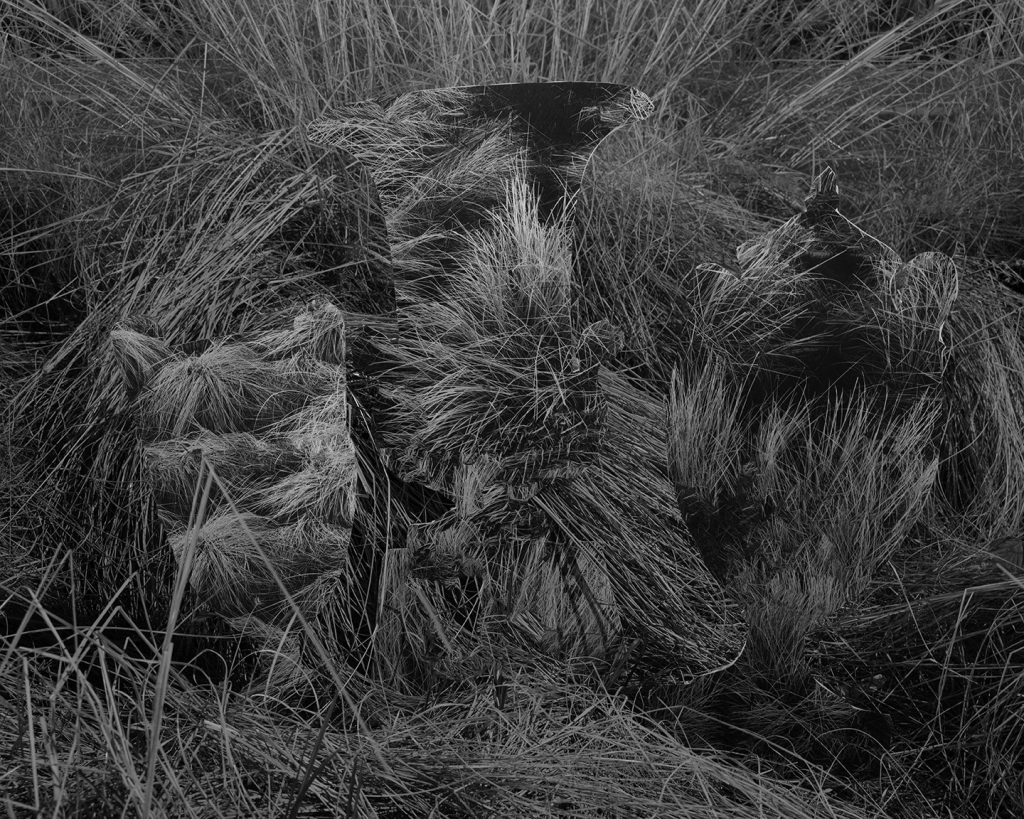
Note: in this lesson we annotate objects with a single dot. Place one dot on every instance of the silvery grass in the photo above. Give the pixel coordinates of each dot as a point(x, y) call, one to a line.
point(190, 167)
point(562, 747)
point(499, 403)
point(938, 393)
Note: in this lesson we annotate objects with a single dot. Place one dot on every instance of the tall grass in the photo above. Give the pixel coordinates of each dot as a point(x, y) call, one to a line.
point(487, 515)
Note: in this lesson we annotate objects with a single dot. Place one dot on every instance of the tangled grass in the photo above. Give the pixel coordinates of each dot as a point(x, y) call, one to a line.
point(403, 499)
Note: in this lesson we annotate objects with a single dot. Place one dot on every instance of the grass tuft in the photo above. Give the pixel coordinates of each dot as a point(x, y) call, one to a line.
point(339, 479)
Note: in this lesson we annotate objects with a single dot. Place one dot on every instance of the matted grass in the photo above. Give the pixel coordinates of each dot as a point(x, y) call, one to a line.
point(584, 518)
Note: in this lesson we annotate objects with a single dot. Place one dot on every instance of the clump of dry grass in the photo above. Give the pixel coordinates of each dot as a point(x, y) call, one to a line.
point(436, 176)
point(324, 489)
point(227, 388)
point(144, 216)
point(317, 333)
point(237, 556)
point(522, 508)
point(245, 466)
point(503, 406)
point(802, 505)
point(266, 425)
point(647, 215)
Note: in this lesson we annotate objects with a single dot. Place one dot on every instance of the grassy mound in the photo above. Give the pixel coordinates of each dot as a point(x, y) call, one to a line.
point(337, 479)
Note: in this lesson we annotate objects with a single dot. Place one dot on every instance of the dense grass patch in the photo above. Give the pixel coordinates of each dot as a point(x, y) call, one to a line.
point(402, 499)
